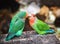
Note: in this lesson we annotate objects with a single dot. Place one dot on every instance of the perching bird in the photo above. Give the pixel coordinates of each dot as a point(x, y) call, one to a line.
point(39, 26)
point(16, 25)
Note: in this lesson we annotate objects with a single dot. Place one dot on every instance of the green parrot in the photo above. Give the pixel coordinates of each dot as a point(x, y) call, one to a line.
point(39, 26)
point(17, 25)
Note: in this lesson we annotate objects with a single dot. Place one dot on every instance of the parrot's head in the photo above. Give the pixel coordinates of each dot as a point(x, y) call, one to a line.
point(31, 19)
point(23, 14)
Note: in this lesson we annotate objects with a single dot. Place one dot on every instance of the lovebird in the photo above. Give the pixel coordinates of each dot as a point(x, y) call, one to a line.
point(39, 26)
point(17, 25)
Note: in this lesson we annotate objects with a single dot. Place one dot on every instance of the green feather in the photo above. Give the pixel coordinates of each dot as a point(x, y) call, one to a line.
point(38, 30)
point(40, 27)
point(19, 32)
point(16, 26)
point(18, 15)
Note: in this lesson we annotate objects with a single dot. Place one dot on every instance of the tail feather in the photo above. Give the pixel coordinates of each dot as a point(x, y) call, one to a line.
point(9, 37)
point(51, 31)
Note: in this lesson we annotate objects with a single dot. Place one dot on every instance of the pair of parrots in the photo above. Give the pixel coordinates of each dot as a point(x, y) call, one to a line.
point(18, 22)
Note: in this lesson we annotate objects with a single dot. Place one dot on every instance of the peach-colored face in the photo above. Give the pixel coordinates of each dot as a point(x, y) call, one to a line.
point(31, 19)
